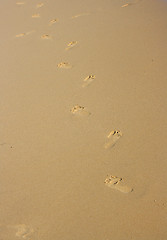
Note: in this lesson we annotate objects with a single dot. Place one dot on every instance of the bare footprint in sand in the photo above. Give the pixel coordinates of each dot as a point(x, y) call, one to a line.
point(37, 15)
point(113, 137)
point(126, 5)
point(88, 80)
point(80, 111)
point(22, 231)
point(117, 184)
point(2, 144)
point(23, 34)
point(46, 37)
point(64, 65)
point(80, 15)
point(39, 5)
point(20, 3)
point(71, 45)
point(53, 21)
point(130, 3)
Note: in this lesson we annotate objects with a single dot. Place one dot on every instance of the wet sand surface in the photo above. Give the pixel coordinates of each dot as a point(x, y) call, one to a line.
point(83, 132)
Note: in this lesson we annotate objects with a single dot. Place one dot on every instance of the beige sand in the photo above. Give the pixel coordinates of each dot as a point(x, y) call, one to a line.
point(53, 162)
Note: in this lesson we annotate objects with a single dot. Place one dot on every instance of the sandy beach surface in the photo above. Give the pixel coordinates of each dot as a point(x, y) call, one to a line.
point(83, 140)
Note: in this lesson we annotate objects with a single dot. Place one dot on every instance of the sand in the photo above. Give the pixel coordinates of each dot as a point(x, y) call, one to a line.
point(74, 75)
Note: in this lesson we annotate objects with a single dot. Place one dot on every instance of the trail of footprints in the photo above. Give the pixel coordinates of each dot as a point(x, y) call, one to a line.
point(113, 182)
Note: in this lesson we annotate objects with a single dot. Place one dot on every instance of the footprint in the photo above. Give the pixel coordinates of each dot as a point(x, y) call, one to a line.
point(71, 45)
point(64, 65)
point(21, 231)
point(126, 5)
point(24, 231)
point(80, 15)
point(113, 137)
point(161, 203)
point(37, 15)
point(2, 144)
point(20, 35)
point(117, 184)
point(24, 34)
point(88, 80)
point(130, 3)
point(53, 21)
point(39, 5)
point(80, 111)
point(46, 36)
point(20, 3)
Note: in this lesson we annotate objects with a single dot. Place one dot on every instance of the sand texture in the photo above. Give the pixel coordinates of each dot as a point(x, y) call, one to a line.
point(83, 120)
